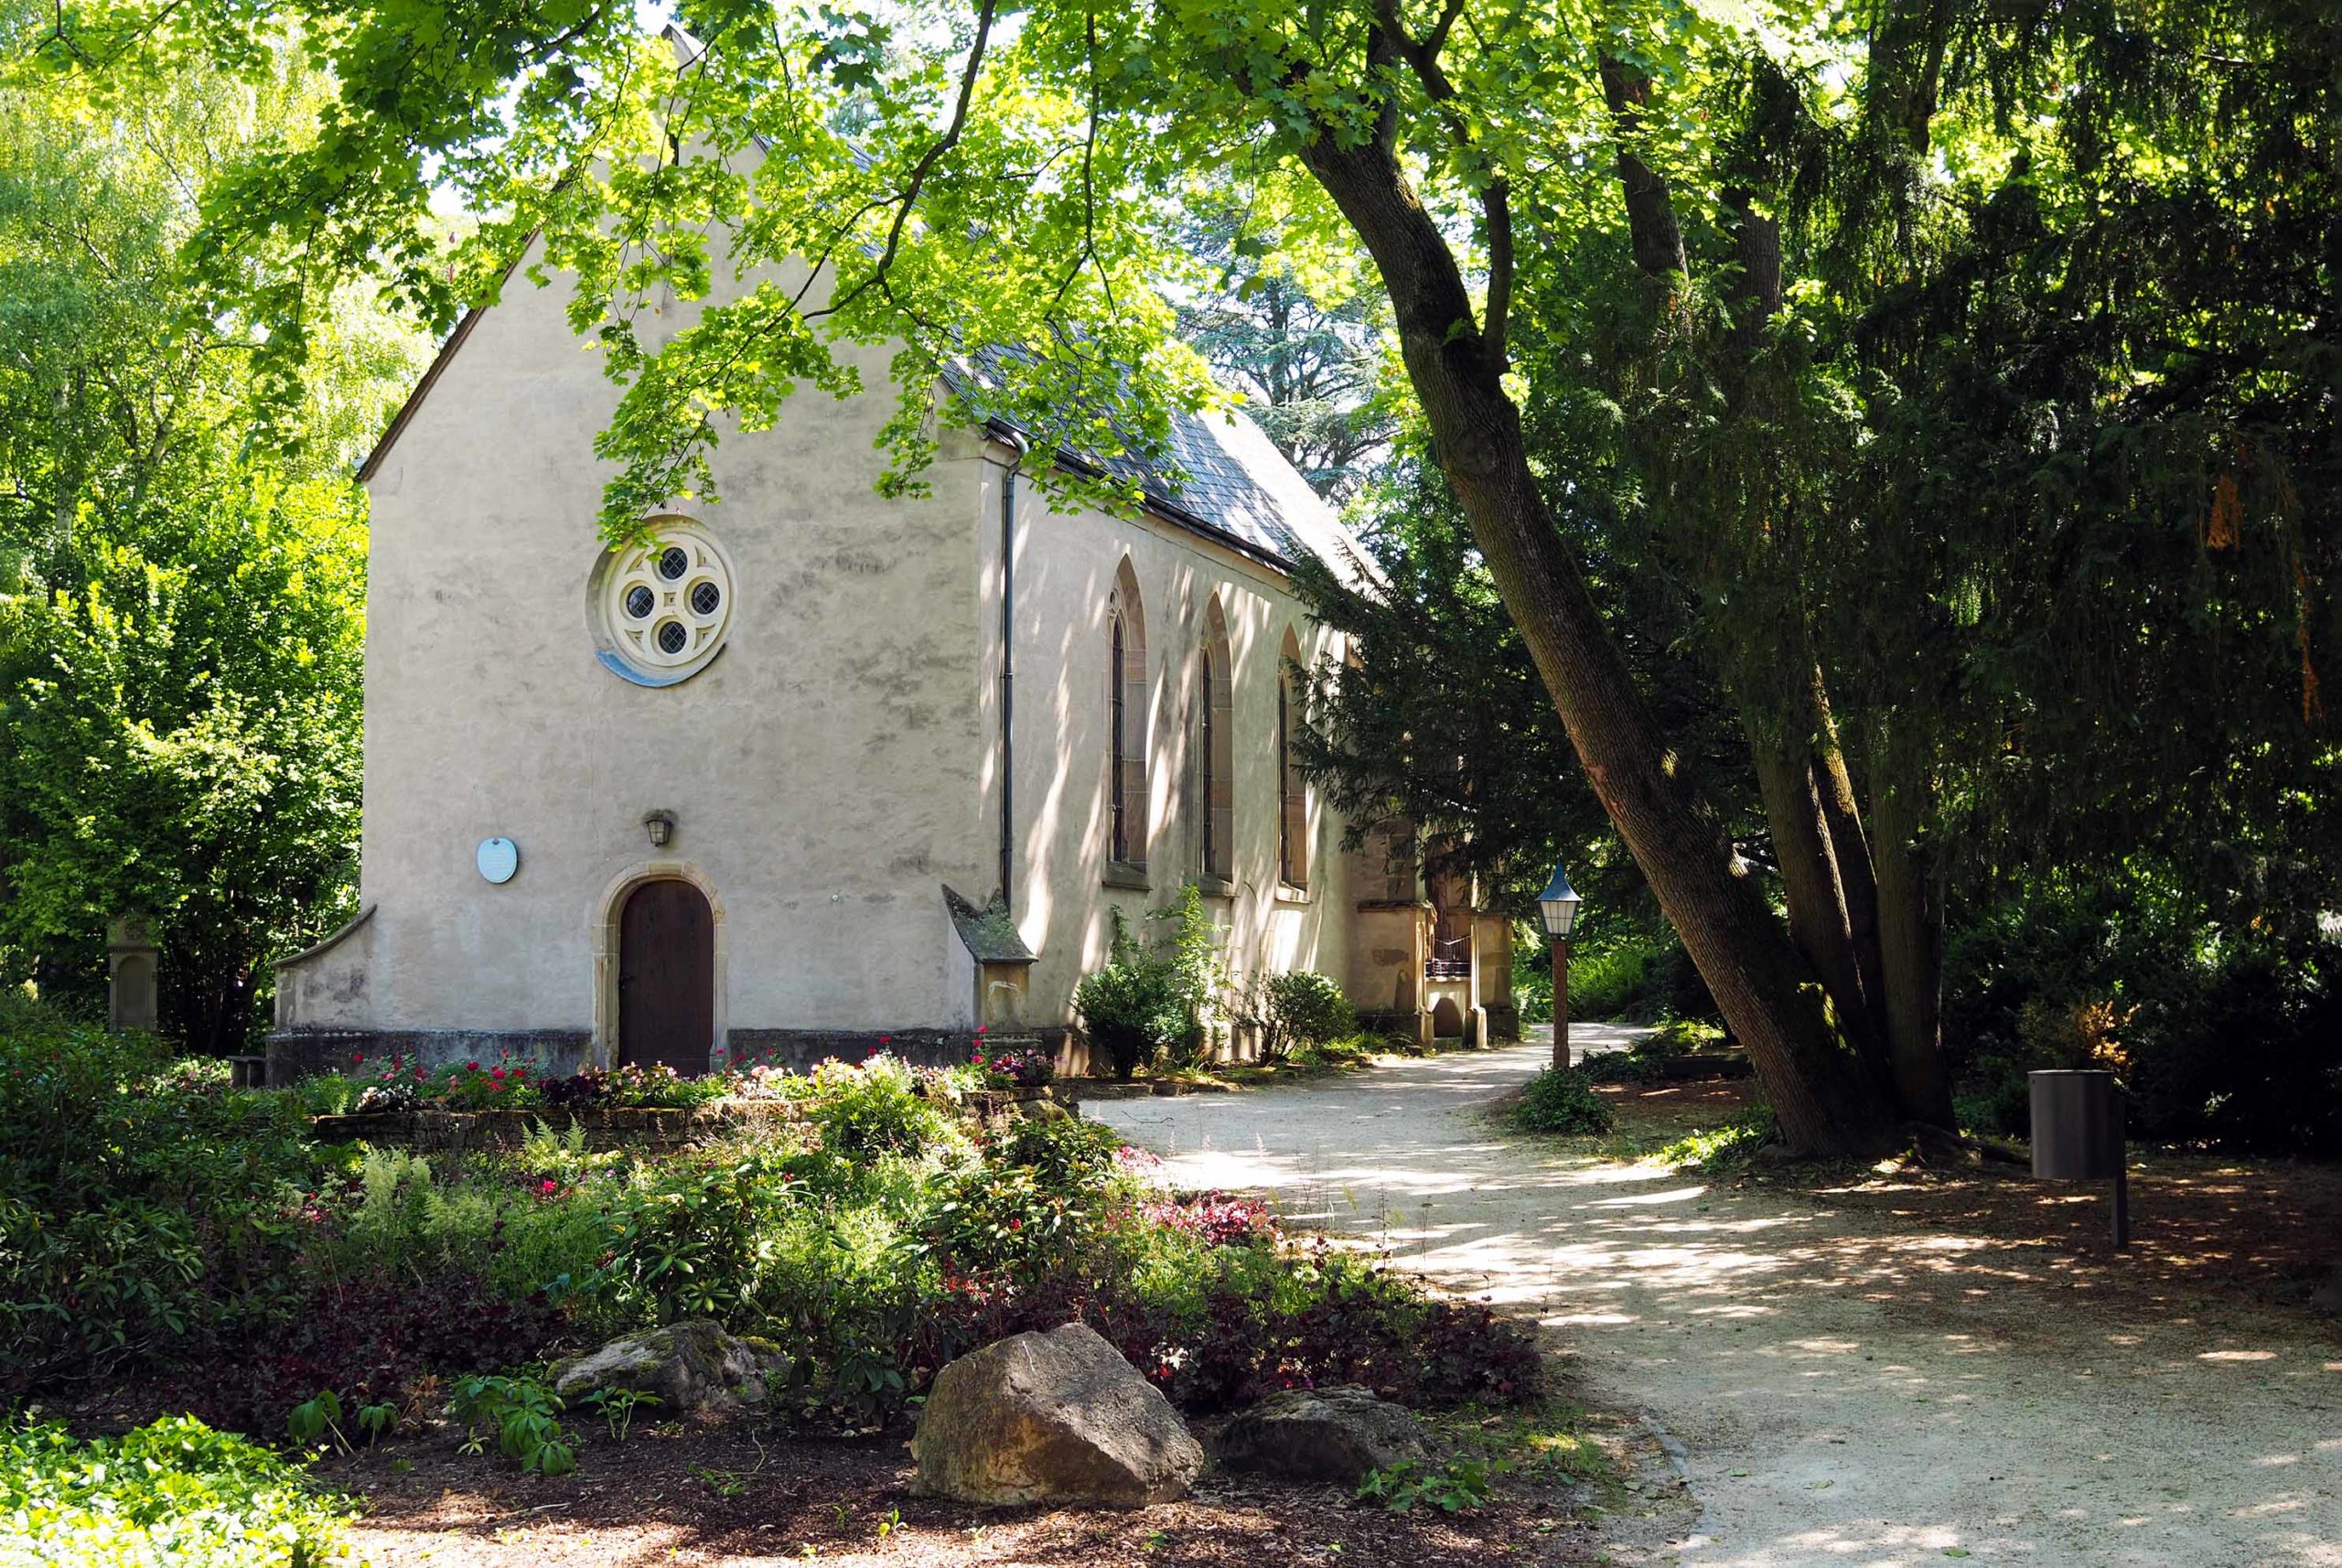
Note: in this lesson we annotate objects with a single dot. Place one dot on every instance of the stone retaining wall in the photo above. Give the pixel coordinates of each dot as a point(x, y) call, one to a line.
point(613, 1127)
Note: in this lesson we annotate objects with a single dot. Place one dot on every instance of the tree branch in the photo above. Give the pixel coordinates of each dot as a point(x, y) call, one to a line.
point(1496, 209)
point(908, 197)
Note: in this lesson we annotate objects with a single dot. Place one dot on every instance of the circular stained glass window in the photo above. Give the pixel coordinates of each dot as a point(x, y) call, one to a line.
point(660, 609)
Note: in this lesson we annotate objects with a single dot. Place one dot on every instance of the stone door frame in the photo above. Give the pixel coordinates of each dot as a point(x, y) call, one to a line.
point(604, 1051)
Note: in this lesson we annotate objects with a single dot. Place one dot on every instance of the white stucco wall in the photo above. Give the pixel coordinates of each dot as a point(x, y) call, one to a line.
point(832, 769)
point(1066, 567)
point(817, 769)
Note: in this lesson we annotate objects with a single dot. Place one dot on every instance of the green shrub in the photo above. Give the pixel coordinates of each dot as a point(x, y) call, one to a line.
point(1613, 981)
point(1347, 1050)
point(523, 1415)
point(1677, 1035)
point(145, 1202)
point(876, 1109)
point(1298, 1008)
point(684, 1237)
point(1625, 1067)
point(1725, 1147)
point(2225, 1024)
point(546, 1230)
point(175, 1494)
point(1064, 1155)
point(1135, 1006)
point(1559, 1100)
point(1192, 950)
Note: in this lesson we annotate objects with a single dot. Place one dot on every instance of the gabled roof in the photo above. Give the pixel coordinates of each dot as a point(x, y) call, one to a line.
point(1232, 487)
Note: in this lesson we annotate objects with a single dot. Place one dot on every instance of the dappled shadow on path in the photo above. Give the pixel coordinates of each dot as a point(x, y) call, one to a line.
point(1854, 1388)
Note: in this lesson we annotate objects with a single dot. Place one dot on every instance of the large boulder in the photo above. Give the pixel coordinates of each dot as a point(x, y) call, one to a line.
point(1321, 1435)
point(694, 1368)
point(1052, 1418)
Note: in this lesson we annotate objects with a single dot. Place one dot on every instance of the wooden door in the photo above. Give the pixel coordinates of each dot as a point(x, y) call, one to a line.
point(667, 977)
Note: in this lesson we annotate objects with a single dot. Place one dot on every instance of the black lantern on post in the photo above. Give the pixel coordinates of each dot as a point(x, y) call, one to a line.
point(1558, 904)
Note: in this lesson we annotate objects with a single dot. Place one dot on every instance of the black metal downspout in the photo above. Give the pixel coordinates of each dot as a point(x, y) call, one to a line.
point(1008, 666)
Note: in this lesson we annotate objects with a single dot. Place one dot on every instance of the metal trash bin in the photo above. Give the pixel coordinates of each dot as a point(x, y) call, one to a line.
point(2077, 1136)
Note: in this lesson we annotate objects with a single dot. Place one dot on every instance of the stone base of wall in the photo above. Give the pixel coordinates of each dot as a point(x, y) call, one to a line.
point(546, 1053)
point(637, 1127)
point(1413, 1025)
point(558, 1053)
point(1504, 1021)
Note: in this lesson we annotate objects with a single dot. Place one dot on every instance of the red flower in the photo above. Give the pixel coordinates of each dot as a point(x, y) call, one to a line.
point(471, 1067)
point(550, 1188)
point(357, 1059)
point(1016, 1225)
point(498, 1075)
point(884, 1038)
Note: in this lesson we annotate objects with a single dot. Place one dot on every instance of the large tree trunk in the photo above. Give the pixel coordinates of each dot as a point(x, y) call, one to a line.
point(1910, 941)
point(1811, 879)
point(1820, 1086)
point(1857, 876)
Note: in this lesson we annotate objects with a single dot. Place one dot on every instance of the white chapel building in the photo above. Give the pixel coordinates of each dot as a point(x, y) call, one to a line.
point(816, 769)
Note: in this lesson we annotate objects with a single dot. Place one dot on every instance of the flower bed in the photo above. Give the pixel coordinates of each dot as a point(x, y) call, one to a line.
point(607, 1127)
point(202, 1246)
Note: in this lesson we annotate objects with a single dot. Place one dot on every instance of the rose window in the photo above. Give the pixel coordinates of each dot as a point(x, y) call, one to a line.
point(662, 606)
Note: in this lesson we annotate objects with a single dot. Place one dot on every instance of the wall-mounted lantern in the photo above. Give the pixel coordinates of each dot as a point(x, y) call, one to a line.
point(661, 826)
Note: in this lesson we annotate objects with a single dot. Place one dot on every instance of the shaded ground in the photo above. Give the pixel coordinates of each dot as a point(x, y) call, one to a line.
point(1884, 1371)
point(728, 1498)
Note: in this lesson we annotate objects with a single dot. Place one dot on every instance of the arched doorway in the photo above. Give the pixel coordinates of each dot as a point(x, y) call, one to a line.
point(667, 976)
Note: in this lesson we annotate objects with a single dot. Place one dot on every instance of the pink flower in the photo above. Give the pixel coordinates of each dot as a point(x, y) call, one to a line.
point(550, 1188)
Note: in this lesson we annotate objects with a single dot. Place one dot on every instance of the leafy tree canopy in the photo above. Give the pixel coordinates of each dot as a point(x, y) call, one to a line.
point(182, 581)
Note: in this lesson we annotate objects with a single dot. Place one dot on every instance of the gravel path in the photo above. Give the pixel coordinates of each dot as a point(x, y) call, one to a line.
point(1844, 1394)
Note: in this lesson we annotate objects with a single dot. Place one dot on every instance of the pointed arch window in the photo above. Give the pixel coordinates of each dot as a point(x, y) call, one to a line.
point(1292, 789)
point(1125, 722)
point(1215, 749)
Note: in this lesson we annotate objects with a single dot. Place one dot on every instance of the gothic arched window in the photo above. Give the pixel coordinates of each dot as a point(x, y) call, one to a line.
point(1125, 722)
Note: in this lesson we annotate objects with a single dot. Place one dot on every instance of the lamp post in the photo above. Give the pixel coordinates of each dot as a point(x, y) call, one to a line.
point(1558, 904)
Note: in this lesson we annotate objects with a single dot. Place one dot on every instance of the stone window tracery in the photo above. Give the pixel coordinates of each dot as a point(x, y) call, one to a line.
point(661, 607)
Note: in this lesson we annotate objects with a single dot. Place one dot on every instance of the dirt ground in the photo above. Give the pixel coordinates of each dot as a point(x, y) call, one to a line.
point(1883, 1368)
point(2202, 1225)
point(729, 1498)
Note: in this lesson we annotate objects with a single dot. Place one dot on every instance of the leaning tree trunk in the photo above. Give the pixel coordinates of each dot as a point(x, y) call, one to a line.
point(1812, 886)
point(1819, 1087)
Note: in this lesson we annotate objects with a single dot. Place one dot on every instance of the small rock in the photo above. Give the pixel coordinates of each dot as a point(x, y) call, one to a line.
point(694, 1368)
point(1322, 1434)
point(1051, 1418)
